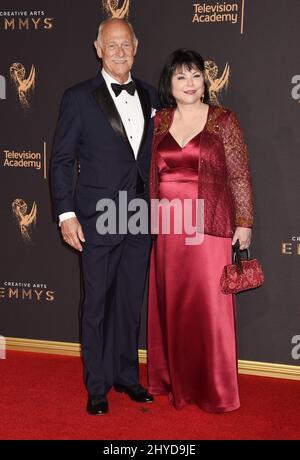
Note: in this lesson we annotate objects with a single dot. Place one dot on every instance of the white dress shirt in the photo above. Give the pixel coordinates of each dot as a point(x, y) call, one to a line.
point(131, 113)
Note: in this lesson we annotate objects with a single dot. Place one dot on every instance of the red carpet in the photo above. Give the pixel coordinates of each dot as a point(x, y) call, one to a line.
point(43, 397)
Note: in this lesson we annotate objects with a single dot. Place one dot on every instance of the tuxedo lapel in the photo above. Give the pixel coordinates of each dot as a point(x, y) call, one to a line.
point(109, 109)
point(146, 106)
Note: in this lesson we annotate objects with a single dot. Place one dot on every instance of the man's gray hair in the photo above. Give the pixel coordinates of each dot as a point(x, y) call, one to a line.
point(107, 21)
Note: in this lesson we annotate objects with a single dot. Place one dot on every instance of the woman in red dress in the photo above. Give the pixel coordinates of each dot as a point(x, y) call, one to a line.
point(198, 154)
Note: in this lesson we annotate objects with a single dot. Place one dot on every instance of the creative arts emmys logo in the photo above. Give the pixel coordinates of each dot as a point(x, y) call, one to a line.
point(116, 9)
point(296, 88)
point(11, 20)
point(25, 291)
point(291, 248)
point(23, 85)
point(24, 220)
point(216, 84)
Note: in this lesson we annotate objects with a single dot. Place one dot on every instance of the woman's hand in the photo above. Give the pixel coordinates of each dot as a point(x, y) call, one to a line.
point(242, 234)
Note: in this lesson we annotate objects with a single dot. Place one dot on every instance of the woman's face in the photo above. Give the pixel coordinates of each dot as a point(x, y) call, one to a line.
point(187, 85)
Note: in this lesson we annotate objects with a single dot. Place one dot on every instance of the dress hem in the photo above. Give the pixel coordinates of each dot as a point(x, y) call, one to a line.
point(220, 410)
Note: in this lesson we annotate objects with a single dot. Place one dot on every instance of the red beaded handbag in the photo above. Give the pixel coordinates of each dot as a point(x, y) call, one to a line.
point(241, 275)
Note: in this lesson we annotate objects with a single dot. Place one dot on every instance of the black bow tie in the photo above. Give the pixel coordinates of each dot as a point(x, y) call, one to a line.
point(129, 87)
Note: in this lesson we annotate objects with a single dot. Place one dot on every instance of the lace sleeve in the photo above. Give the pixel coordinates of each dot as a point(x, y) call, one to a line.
point(153, 166)
point(162, 121)
point(237, 162)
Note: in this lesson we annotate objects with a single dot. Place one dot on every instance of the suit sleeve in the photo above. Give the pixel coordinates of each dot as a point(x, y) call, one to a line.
point(64, 152)
point(237, 162)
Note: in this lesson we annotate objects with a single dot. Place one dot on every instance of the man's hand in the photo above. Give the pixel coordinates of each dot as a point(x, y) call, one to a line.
point(72, 233)
point(242, 234)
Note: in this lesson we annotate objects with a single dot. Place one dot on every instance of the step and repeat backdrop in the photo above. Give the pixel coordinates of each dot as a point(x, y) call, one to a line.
point(251, 49)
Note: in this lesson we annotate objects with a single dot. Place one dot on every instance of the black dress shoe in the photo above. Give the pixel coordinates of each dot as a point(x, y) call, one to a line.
point(137, 393)
point(97, 405)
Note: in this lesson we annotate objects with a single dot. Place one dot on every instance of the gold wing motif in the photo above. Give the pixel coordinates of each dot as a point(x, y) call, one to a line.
point(29, 82)
point(216, 85)
point(24, 220)
point(119, 13)
point(222, 82)
point(29, 219)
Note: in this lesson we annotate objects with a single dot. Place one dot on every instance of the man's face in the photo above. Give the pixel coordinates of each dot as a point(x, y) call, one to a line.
point(117, 50)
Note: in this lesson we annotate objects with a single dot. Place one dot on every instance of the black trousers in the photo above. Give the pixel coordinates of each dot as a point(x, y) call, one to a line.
point(114, 282)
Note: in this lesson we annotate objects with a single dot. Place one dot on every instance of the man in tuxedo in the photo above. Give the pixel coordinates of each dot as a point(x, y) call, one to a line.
point(105, 123)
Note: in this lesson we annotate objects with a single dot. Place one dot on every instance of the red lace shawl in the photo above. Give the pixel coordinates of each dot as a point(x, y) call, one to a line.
point(224, 180)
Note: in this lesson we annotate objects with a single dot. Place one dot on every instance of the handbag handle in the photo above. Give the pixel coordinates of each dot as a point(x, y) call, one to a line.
point(237, 258)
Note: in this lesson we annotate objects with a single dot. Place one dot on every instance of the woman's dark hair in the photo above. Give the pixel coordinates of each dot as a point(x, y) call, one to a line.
point(178, 59)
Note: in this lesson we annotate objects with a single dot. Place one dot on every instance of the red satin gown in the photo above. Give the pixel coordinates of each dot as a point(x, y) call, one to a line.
point(191, 328)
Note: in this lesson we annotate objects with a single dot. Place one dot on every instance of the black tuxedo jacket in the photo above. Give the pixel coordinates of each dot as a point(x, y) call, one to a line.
point(90, 130)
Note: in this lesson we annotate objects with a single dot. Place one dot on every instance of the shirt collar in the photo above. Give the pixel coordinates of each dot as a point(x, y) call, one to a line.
point(109, 80)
